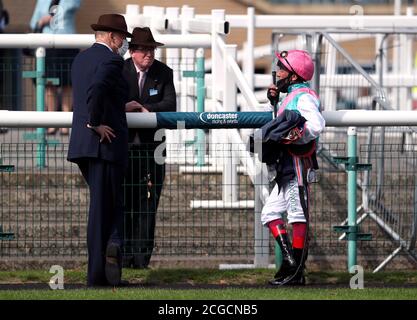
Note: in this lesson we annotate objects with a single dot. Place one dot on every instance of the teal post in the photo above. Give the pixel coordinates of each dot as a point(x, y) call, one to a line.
point(351, 229)
point(6, 235)
point(41, 80)
point(199, 74)
point(40, 105)
point(278, 256)
point(352, 176)
point(201, 96)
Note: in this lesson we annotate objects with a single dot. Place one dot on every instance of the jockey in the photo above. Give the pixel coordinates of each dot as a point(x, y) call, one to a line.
point(295, 165)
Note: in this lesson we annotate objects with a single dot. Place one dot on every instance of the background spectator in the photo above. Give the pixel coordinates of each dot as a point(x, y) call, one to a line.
point(57, 17)
point(151, 88)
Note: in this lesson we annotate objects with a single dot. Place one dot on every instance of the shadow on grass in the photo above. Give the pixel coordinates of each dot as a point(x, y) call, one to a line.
point(195, 277)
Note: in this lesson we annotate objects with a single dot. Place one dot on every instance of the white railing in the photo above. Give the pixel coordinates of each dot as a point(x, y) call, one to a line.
point(341, 118)
point(35, 40)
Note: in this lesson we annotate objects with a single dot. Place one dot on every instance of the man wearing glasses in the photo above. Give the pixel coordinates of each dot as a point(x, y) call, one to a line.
point(151, 89)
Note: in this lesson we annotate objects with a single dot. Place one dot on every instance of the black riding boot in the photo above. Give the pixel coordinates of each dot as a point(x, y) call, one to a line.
point(289, 264)
point(299, 278)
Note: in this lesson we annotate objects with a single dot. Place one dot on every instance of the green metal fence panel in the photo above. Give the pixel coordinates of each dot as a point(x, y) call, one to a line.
point(46, 209)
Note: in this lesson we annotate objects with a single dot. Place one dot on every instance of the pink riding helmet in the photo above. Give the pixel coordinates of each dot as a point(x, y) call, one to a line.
point(298, 61)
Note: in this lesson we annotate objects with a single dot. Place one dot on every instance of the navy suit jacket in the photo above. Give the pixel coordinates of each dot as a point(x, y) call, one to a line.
point(99, 97)
point(158, 94)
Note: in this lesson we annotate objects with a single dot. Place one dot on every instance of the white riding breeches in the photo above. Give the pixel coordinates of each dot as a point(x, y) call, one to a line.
point(288, 200)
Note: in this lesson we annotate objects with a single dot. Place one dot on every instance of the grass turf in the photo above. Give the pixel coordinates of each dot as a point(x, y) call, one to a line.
point(209, 276)
point(216, 294)
point(197, 284)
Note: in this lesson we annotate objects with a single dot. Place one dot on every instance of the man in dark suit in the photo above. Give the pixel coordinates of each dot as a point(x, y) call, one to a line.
point(151, 89)
point(98, 143)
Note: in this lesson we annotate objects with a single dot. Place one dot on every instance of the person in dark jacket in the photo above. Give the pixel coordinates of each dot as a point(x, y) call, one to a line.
point(151, 89)
point(98, 143)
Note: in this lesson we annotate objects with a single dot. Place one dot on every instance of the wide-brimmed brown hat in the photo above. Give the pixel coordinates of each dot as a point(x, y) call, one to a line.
point(111, 22)
point(143, 37)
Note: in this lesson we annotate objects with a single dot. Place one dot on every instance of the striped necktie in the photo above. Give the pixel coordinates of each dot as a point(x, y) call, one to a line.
point(141, 81)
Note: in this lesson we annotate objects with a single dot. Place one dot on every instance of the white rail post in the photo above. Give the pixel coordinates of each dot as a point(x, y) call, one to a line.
point(217, 81)
point(330, 93)
point(230, 178)
point(187, 101)
point(261, 245)
point(261, 241)
point(407, 57)
point(381, 63)
point(173, 61)
point(153, 12)
point(132, 16)
point(248, 62)
point(216, 57)
point(404, 67)
point(396, 59)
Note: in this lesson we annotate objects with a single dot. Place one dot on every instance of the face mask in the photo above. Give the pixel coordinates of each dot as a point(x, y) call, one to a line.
point(123, 49)
point(283, 84)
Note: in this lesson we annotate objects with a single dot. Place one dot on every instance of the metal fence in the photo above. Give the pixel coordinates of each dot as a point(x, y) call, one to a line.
point(46, 209)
